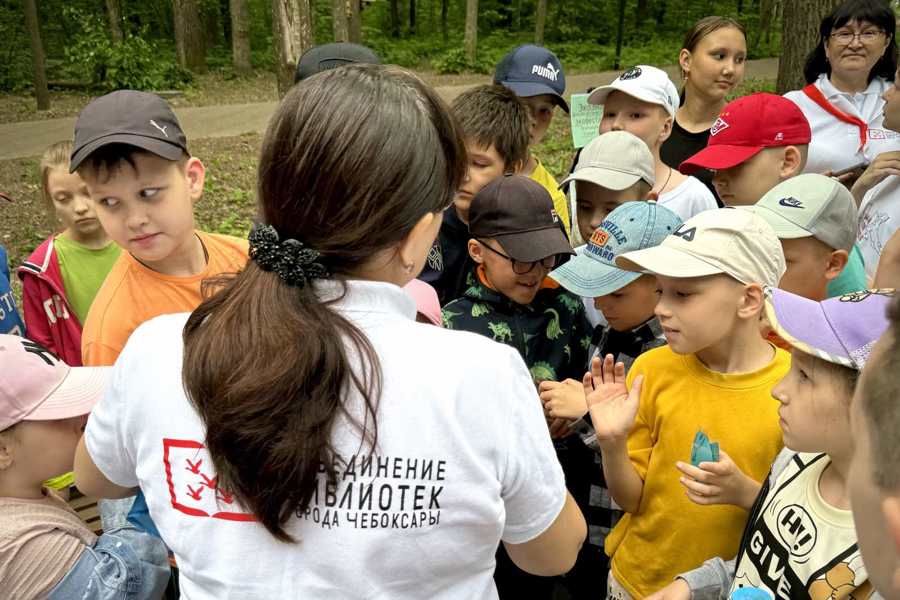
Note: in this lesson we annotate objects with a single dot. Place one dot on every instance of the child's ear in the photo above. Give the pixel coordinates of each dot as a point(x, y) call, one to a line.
point(752, 303)
point(837, 260)
point(667, 127)
point(476, 251)
point(195, 173)
point(6, 451)
point(791, 162)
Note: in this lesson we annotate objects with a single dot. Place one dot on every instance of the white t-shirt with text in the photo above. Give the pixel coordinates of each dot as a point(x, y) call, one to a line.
point(463, 460)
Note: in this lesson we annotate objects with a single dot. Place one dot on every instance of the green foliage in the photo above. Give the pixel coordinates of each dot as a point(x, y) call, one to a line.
point(455, 61)
point(135, 63)
point(15, 57)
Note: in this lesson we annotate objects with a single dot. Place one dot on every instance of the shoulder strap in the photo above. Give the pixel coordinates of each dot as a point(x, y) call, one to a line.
point(816, 95)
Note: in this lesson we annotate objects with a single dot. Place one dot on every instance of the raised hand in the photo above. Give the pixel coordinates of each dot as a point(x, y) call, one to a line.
point(885, 164)
point(612, 406)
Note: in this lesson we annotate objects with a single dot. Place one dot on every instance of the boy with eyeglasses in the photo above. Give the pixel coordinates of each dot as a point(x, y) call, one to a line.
point(516, 239)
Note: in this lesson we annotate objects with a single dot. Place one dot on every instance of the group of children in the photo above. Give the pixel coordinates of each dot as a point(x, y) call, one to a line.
point(670, 325)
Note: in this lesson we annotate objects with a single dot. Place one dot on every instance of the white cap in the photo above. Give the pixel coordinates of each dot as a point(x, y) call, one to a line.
point(732, 241)
point(615, 160)
point(644, 83)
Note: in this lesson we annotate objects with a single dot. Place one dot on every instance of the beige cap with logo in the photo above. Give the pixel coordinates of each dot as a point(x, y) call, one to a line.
point(732, 241)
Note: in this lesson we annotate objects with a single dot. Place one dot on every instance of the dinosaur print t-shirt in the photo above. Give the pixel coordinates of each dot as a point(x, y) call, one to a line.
point(552, 334)
point(420, 516)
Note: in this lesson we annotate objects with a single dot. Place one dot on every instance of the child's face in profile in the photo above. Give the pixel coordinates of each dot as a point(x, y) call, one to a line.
point(808, 262)
point(815, 402)
point(698, 312)
point(630, 306)
point(43, 449)
point(485, 165)
point(594, 203)
point(72, 204)
point(746, 183)
point(520, 288)
point(540, 113)
point(149, 210)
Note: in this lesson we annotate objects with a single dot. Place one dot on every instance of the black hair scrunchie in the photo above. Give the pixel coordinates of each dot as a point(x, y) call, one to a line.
point(294, 262)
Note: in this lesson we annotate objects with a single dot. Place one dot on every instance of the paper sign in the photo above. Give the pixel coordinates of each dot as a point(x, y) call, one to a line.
point(585, 119)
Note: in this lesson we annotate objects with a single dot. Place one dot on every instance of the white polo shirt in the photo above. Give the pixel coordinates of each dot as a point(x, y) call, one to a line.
point(879, 218)
point(464, 459)
point(835, 143)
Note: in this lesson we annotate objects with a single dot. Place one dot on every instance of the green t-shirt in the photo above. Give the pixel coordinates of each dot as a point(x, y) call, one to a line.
point(83, 272)
point(852, 278)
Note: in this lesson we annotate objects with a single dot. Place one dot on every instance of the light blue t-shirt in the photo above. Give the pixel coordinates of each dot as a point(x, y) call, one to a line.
point(10, 321)
point(852, 278)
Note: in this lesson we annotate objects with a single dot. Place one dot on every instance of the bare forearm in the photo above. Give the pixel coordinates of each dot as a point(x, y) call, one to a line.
point(622, 479)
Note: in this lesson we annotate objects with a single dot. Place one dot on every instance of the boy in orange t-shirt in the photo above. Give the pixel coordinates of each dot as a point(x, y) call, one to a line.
point(132, 154)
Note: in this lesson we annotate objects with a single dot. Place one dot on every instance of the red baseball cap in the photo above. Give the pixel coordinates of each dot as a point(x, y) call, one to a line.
point(746, 126)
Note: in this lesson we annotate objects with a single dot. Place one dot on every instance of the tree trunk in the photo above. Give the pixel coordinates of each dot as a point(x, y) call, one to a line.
point(799, 35)
point(395, 18)
point(540, 19)
point(225, 15)
point(41, 93)
point(766, 12)
point(444, 8)
point(211, 33)
point(114, 13)
point(339, 22)
point(292, 35)
point(189, 35)
point(640, 13)
point(620, 32)
point(240, 37)
point(412, 17)
point(354, 21)
point(471, 40)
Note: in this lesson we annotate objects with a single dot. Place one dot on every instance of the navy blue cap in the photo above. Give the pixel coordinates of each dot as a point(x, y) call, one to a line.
point(531, 70)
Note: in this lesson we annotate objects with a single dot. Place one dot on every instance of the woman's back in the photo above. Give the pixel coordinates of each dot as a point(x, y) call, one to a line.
point(462, 458)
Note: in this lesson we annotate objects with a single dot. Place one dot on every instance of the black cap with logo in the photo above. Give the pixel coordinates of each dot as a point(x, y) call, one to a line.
point(518, 213)
point(331, 56)
point(139, 119)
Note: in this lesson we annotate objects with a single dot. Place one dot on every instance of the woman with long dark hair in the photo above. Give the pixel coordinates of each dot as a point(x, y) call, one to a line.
point(300, 435)
point(847, 73)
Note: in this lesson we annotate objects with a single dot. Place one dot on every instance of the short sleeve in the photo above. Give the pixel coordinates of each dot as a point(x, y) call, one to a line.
point(532, 483)
point(640, 439)
point(105, 435)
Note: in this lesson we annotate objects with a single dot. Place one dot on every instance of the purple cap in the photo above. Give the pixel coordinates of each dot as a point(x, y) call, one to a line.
point(840, 330)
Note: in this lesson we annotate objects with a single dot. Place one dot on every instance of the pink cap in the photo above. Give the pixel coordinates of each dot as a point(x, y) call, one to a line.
point(36, 386)
point(427, 303)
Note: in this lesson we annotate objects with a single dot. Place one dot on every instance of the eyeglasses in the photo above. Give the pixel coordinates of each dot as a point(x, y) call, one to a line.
point(844, 38)
point(521, 268)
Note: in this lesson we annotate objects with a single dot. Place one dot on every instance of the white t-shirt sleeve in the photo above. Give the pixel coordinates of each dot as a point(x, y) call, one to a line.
point(533, 484)
point(105, 436)
point(690, 198)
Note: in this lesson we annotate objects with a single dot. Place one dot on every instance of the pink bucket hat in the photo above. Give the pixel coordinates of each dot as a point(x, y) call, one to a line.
point(36, 386)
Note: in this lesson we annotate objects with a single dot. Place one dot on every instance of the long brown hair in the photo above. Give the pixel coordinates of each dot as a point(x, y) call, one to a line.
point(352, 160)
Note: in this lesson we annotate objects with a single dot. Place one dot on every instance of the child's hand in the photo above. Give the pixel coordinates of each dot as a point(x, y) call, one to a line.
point(720, 482)
point(613, 408)
point(677, 590)
point(564, 399)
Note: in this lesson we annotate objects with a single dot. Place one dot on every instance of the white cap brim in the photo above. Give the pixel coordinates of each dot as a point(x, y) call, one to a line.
point(608, 178)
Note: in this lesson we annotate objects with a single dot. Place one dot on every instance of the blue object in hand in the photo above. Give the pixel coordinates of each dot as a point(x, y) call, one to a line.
point(703, 450)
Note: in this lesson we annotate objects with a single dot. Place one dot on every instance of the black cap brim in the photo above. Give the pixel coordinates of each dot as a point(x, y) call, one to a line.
point(529, 246)
point(161, 148)
point(527, 89)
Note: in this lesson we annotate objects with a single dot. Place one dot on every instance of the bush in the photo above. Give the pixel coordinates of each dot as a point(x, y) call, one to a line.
point(455, 61)
point(135, 63)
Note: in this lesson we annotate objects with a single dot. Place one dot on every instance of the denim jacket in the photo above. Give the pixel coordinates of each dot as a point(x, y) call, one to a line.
point(124, 564)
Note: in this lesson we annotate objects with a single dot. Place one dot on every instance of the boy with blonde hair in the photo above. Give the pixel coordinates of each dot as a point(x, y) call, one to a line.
point(715, 376)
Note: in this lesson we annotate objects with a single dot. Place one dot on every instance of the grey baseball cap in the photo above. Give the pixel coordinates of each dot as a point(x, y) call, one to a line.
point(138, 119)
point(811, 205)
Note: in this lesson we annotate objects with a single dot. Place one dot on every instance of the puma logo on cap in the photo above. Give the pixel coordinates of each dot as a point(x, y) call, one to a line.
point(548, 72)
